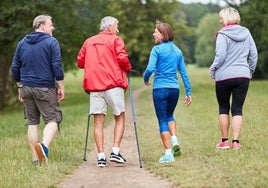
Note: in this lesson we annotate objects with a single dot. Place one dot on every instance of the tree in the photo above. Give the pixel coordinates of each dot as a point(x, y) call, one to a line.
point(253, 16)
point(71, 19)
point(205, 43)
point(137, 24)
point(194, 12)
point(76, 20)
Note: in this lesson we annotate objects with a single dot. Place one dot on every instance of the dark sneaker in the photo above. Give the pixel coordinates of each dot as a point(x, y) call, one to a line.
point(35, 162)
point(42, 152)
point(117, 158)
point(102, 162)
point(176, 150)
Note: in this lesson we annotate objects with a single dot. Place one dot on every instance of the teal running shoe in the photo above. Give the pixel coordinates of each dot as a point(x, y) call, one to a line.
point(167, 159)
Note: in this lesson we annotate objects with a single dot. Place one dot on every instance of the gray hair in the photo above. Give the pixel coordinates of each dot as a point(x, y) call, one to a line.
point(40, 20)
point(106, 21)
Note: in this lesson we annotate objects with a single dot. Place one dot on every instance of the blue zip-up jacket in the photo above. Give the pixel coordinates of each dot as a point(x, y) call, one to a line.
point(37, 61)
point(236, 54)
point(166, 59)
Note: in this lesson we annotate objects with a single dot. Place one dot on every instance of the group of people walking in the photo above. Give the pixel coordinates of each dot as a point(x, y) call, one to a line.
point(38, 71)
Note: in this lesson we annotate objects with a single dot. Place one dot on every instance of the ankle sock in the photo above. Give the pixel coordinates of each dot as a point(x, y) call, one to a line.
point(101, 155)
point(224, 139)
point(116, 150)
point(174, 140)
point(168, 152)
point(237, 141)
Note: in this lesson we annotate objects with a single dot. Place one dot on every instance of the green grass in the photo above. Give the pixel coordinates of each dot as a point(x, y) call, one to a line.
point(200, 165)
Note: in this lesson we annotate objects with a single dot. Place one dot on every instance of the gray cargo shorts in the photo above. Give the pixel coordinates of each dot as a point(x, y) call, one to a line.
point(41, 102)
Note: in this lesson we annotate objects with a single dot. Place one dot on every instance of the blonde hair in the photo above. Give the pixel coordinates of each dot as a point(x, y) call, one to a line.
point(40, 20)
point(229, 16)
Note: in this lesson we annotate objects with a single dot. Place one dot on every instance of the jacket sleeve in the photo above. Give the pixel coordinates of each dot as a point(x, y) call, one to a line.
point(151, 65)
point(221, 49)
point(184, 76)
point(16, 64)
point(56, 61)
point(81, 57)
point(122, 56)
point(253, 56)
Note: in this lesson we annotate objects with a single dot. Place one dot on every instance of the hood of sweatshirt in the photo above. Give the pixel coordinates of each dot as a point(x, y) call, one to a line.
point(36, 37)
point(235, 32)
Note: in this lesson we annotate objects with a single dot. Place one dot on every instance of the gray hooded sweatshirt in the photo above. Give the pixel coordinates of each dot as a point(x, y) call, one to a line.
point(236, 54)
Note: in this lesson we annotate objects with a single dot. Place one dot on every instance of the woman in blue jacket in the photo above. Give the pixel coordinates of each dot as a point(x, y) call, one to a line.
point(166, 59)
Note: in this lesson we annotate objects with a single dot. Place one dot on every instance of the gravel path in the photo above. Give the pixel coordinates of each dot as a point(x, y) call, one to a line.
point(129, 175)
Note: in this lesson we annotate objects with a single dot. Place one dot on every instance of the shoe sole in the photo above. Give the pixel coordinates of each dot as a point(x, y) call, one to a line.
point(176, 150)
point(117, 161)
point(225, 147)
point(167, 161)
point(101, 165)
point(41, 153)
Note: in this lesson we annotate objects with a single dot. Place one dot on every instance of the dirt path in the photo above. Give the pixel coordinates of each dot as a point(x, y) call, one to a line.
point(129, 175)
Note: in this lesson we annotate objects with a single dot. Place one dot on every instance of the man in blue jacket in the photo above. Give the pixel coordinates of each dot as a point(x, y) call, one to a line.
point(38, 71)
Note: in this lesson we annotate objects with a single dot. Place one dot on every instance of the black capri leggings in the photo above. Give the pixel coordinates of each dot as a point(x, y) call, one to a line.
point(236, 87)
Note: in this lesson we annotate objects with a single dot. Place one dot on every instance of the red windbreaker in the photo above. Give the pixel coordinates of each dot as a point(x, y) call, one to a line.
point(105, 62)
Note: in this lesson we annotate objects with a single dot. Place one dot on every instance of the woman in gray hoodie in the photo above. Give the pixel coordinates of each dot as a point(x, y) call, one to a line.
point(232, 68)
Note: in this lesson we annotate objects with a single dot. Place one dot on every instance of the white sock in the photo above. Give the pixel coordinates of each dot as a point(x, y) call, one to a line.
point(168, 152)
point(116, 150)
point(101, 155)
point(174, 140)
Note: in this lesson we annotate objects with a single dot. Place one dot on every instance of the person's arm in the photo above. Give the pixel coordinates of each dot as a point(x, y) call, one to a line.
point(186, 81)
point(150, 67)
point(122, 55)
point(60, 84)
point(80, 62)
point(221, 49)
point(253, 56)
point(19, 85)
point(15, 69)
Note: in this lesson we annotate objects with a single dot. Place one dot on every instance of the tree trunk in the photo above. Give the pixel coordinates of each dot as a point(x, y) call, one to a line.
point(2, 81)
point(6, 81)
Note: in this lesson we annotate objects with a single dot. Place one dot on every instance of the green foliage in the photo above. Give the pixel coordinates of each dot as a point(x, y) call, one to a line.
point(253, 16)
point(75, 20)
point(205, 42)
point(194, 12)
point(200, 164)
point(14, 19)
point(70, 18)
point(137, 23)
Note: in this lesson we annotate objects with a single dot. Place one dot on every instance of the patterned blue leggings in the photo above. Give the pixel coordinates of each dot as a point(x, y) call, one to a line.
point(165, 102)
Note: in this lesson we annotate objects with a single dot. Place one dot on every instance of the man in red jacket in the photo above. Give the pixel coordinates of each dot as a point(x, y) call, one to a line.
point(105, 62)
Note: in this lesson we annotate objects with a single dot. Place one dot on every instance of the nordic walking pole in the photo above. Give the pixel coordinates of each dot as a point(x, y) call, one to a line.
point(134, 118)
point(85, 151)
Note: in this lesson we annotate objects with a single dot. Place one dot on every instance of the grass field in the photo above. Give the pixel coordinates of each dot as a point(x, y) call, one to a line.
point(200, 165)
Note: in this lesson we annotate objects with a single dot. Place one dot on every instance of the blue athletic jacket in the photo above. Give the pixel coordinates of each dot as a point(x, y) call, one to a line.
point(166, 59)
point(37, 61)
